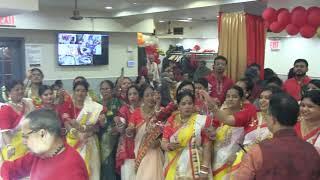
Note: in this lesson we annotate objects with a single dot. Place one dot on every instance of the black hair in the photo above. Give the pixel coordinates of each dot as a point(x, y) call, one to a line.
point(315, 82)
point(314, 96)
point(249, 83)
point(11, 84)
point(79, 77)
point(143, 88)
point(291, 73)
point(138, 79)
point(301, 61)
point(37, 69)
point(85, 84)
point(239, 89)
point(255, 65)
point(43, 88)
point(110, 83)
point(133, 87)
point(58, 83)
point(284, 108)
point(273, 89)
point(183, 94)
point(203, 82)
point(185, 83)
point(220, 58)
point(276, 80)
point(251, 73)
point(44, 119)
point(268, 73)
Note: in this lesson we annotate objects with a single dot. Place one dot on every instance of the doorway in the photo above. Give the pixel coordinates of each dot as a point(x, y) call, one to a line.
point(12, 59)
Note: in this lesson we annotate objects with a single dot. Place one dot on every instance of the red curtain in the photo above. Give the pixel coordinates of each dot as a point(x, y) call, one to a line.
point(256, 38)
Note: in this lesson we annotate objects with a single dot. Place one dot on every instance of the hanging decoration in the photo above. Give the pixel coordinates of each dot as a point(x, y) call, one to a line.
point(299, 20)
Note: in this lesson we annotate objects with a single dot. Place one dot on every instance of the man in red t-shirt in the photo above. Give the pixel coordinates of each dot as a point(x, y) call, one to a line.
point(293, 86)
point(50, 158)
point(219, 83)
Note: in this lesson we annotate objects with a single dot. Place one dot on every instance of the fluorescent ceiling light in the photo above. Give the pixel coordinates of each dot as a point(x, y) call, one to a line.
point(189, 19)
point(108, 7)
point(184, 20)
point(161, 21)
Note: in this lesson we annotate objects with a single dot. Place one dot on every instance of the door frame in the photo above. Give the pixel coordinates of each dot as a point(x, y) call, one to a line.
point(21, 74)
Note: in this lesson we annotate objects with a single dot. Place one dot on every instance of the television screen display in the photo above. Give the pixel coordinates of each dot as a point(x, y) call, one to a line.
point(77, 49)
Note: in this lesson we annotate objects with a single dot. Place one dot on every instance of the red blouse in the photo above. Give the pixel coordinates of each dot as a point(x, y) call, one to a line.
point(246, 118)
point(9, 118)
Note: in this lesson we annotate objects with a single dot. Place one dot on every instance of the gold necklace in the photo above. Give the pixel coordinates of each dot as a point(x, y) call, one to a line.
point(183, 121)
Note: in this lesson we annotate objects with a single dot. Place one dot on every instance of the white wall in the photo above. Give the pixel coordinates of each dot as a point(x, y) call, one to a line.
point(293, 48)
point(195, 29)
point(189, 43)
point(118, 55)
point(203, 33)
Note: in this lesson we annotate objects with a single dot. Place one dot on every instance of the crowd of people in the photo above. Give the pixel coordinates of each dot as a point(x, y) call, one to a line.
point(174, 128)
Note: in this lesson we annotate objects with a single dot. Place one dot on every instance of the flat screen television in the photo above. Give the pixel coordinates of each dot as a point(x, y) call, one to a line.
point(83, 48)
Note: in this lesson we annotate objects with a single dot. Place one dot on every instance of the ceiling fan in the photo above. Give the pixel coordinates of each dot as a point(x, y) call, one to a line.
point(76, 14)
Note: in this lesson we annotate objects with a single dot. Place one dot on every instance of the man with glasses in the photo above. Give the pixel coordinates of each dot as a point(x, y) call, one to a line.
point(49, 158)
point(219, 83)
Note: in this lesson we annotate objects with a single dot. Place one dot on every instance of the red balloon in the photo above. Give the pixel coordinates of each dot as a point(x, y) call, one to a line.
point(298, 8)
point(314, 17)
point(284, 17)
point(313, 8)
point(276, 27)
point(292, 29)
point(269, 14)
point(281, 10)
point(308, 31)
point(266, 24)
point(299, 16)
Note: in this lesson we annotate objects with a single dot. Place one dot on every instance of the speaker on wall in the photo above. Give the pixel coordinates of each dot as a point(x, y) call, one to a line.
point(178, 30)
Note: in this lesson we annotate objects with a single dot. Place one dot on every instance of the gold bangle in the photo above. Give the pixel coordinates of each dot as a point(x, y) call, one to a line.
point(84, 127)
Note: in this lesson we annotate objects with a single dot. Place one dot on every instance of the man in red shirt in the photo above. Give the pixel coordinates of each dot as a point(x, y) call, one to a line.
point(50, 158)
point(293, 85)
point(219, 83)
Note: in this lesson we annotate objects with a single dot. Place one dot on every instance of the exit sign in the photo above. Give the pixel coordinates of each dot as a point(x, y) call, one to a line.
point(275, 45)
point(7, 21)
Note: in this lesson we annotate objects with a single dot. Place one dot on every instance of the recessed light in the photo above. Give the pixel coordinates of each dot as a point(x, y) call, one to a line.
point(189, 19)
point(161, 21)
point(134, 3)
point(108, 7)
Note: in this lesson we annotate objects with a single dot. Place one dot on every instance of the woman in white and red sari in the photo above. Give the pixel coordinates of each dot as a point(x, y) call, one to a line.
point(145, 129)
point(308, 128)
point(11, 114)
point(259, 131)
point(125, 151)
point(187, 147)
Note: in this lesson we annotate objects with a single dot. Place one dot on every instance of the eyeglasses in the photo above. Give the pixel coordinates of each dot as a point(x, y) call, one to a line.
point(26, 136)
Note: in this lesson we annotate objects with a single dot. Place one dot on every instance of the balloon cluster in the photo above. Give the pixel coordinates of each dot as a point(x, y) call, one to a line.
point(299, 20)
